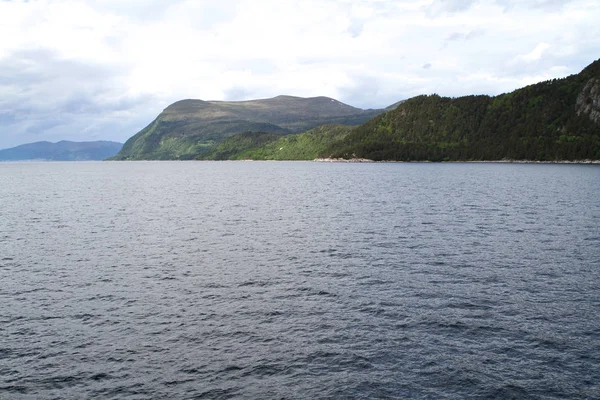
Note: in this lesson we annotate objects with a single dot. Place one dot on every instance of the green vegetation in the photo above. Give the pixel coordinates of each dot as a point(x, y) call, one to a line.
point(193, 129)
point(548, 121)
point(553, 120)
point(185, 139)
point(267, 146)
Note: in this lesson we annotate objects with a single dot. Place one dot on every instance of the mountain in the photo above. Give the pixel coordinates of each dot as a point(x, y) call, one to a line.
point(191, 129)
point(61, 151)
point(553, 120)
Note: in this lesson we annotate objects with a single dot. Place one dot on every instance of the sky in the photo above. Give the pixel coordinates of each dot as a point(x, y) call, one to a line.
point(103, 69)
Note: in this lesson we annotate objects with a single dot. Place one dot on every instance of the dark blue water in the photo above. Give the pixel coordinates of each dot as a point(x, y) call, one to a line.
point(299, 280)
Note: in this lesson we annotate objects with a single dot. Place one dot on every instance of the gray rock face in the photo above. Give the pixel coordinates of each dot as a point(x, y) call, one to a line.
point(588, 101)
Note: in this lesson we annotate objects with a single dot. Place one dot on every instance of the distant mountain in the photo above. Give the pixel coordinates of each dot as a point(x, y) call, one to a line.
point(62, 151)
point(553, 120)
point(191, 129)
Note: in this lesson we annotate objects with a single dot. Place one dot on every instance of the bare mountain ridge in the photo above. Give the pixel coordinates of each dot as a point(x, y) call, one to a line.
point(323, 106)
point(288, 112)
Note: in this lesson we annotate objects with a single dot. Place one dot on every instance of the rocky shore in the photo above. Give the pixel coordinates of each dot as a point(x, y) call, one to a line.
point(344, 160)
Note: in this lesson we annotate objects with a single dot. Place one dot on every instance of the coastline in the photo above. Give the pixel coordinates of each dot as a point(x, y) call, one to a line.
point(351, 160)
point(366, 160)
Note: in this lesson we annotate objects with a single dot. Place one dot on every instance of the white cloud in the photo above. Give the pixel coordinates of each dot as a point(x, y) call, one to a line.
point(81, 69)
point(449, 6)
point(536, 53)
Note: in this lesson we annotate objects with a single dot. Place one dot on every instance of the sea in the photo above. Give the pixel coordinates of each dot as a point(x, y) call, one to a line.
point(299, 280)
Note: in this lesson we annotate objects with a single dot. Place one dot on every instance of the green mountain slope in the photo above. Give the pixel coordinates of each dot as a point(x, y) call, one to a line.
point(190, 129)
point(553, 120)
point(267, 146)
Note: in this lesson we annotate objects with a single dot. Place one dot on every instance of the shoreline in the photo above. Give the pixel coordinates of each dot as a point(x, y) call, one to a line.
point(322, 160)
point(366, 160)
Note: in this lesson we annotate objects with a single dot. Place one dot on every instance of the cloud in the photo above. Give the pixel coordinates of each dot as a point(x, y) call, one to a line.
point(458, 37)
point(81, 69)
point(237, 93)
point(360, 13)
point(536, 53)
point(449, 6)
point(548, 5)
point(356, 27)
point(43, 97)
point(358, 88)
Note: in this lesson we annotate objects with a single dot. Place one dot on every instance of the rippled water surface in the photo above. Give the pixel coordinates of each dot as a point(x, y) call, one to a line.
point(290, 280)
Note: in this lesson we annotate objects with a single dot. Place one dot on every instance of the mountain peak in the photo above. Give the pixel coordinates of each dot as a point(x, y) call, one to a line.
point(188, 128)
point(187, 105)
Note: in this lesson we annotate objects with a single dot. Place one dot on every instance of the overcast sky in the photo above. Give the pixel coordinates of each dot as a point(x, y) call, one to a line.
point(103, 69)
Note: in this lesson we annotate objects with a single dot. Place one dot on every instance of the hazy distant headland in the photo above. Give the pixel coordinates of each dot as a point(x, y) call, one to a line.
point(61, 151)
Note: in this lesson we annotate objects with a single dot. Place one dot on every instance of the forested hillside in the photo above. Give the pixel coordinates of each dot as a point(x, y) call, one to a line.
point(553, 120)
